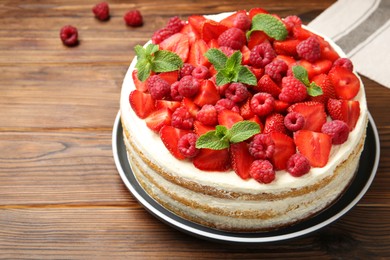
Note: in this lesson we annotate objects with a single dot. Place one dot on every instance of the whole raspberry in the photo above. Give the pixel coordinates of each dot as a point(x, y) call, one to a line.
point(242, 22)
point(338, 130)
point(133, 18)
point(186, 70)
point(188, 86)
point(101, 11)
point(69, 35)
point(187, 146)
point(262, 171)
point(262, 146)
point(233, 38)
point(200, 72)
point(294, 121)
point(237, 92)
point(158, 88)
point(262, 103)
point(228, 104)
point(182, 118)
point(208, 115)
point(175, 95)
point(292, 21)
point(161, 34)
point(344, 62)
point(261, 55)
point(175, 24)
point(309, 49)
point(276, 69)
point(298, 165)
point(293, 90)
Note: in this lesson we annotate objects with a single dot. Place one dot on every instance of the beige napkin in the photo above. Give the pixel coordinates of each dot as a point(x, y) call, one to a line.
point(362, 29)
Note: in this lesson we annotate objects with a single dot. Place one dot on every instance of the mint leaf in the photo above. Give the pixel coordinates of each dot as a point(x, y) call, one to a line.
point(314, 90)
point(221, 79)
point(212, 140)
point(217, 58)
point(269, 24)
point(143, 70)
point(233, 63)
point(246, 76)
point(301, 74)
point(166, 61)
point(243, 130)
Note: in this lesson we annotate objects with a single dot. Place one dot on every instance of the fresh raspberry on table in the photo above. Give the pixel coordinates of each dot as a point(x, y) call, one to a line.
point(200, 72)
point(294, 121)
point(338, 130)
point(276, 69)
point(228, 104)
point(262, 104)
point(262, 171)
point(242, 21)
point(101, 11)
point(262, 146)
point(207, 115)
point(233, 38)
point(175, 24)
point(182, 119)
point(175, 95)
point(158, 88)
point(188, 86)
point(186, 70)
point(187, 145)
point(261, 55)
point(344, 62)
point(293, 90)
point(69, 35)
point(309, 49)
point(298, 165)
point(133, 18)
point(237, 92)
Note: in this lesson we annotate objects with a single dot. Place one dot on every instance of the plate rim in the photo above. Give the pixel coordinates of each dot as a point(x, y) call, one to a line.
point(239, 239)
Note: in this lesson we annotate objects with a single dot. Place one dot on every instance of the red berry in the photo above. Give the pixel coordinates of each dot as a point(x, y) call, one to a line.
point(344, 110)
point(337, 129)
point(262, 146)
point(161, 34)
point(186, 70)
point(142, 103)
point(228, 104)
point(69, 35)
point(158, 87)
point(101, 11)
point(346, 83)
point(242, 21)
point(293, 90)
point(266, 84)
point(309, 49)
point(170, 136)
point(241, 159)
point(233, 38)
point(182, 119)
point(262, 104)
point(324, 82)
point(344, 62)
point(175, 95)
point(227, 50)
point(200, 72)
point(277, 69)
point(298, 165)
point(313, 112)
point(186, 145)
point(133, 18)
point(175, 24)
point(188, 86)
point(261, 55)
point(294, 121)
point(292, 21)
point(274, 123)
point(207, 115)
point(212, 160)
point(237, 92)
point(262, 171)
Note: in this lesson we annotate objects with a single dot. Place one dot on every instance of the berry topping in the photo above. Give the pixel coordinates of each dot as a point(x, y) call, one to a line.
point(284, 149)
point(200, 72)
point(69, 35)
point(161, 34)
point(344, 110)
point(292, 21)
point(175, 24)
point(186, 145)
point(344, 62)
point(142, 103)
point(293, 90)
point(274, 123)
point(207, 115)
point(242, 21)
point(241, 159)
point(175, 95)
point(228, 118)
point(313, 112)
point(237, 92)
point(233, 38)
point(324, 82)
point(346, 83)
point(262, 104)
point(182, 119)
point(101, 11)
point(309, 49)
point(298, 165)
point(294, 121)
point(261, 55)
point(133, 18)
point(338, 130)
point(170, 136)
point(159, 118)
point(186, 70)
point(262, 171)
point(212, 160)
point(228, 104)
point(188, 86)
point(158, 87)
point(262, 146)
point(277, 69)
point(207, 94)
point(266, 84)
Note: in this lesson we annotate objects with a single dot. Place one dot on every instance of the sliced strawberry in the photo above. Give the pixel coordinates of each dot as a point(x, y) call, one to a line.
point(245, 109)
point(241, 159)
point(208, 94)
point(301, 34)
point(228, 118)
point(190, 105)
point(258, 72)
point(158, 119)
point(345, 82)
point(211, 30)
point(256, 10)
point(257, 120)
point(280, 106)
point(327, 52)
point(309, 68)
point(196, 22)
point(344, 110)
point(274, 123)
point(142, 103)
point(314, 146)
point(170, 137)
point(287, 47)
point(171, 105)
point(284, 149)
point(139, 85)
point(192, 34)
point(321, 66)
point(197, 51)
point(213, 44)
point(212, 160)
point(229, 21)
point(313, 112)
point(170, 77)
point(287, 59)
point(266, 84)
point(177, 43)
point(323, 81)
point(201, 129)
point(246, 52)
point(256, 38)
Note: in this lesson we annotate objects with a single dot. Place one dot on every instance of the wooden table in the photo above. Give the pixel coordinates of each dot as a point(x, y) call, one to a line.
point(60, 192)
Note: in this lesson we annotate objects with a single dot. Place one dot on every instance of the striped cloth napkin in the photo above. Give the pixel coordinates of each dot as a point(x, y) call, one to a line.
point(362, 29)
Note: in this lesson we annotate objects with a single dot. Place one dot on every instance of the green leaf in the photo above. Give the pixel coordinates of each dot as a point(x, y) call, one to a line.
point(217, 58)
point(221, 79)
point(140, 52)
point(143, 69)
point(301, 74)
point(212, 140)
point(166, 61)
point(269, 24)
point(314, 90)
point(243, 130)
point(233, 62)
point(246, 76)
point(151, 49)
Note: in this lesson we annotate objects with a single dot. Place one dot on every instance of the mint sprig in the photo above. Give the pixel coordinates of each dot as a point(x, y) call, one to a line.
point(221, 137)
point(151, 59)
point(270, 25)
point(229, 69)
point(301, 74)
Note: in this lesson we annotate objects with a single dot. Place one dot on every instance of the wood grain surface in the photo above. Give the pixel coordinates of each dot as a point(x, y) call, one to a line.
point(60, 193)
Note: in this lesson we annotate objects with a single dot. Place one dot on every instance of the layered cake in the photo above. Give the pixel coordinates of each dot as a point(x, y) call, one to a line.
point(242, 121)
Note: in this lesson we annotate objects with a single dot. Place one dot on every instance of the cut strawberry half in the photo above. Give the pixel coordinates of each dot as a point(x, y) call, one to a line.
point(274, 123)
point(345, 82)
point(287, 47)
point(170, 136)
point(177, 43)
point(139, 85)
point(344, 110)
point(284, 149)
point(315, 146)
point(229, 21)
point(190, 105)
point(196, 22)
point(142, 103)
point(324, 82)
point(211, 30)
point(280, 106)
point(327, 52)
point(301, 33)
point(196, 56)
point(245, 110)
point(256, 38)
point(208, 94)
point(212, 160)
point(159, 118)
point(228, 118)
point(192, 34)
point(201, 129)
point(266, 84)
point(170, 76)
point(313, 112)
point(171, 105)
point(255, 11)
point(241, 159)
